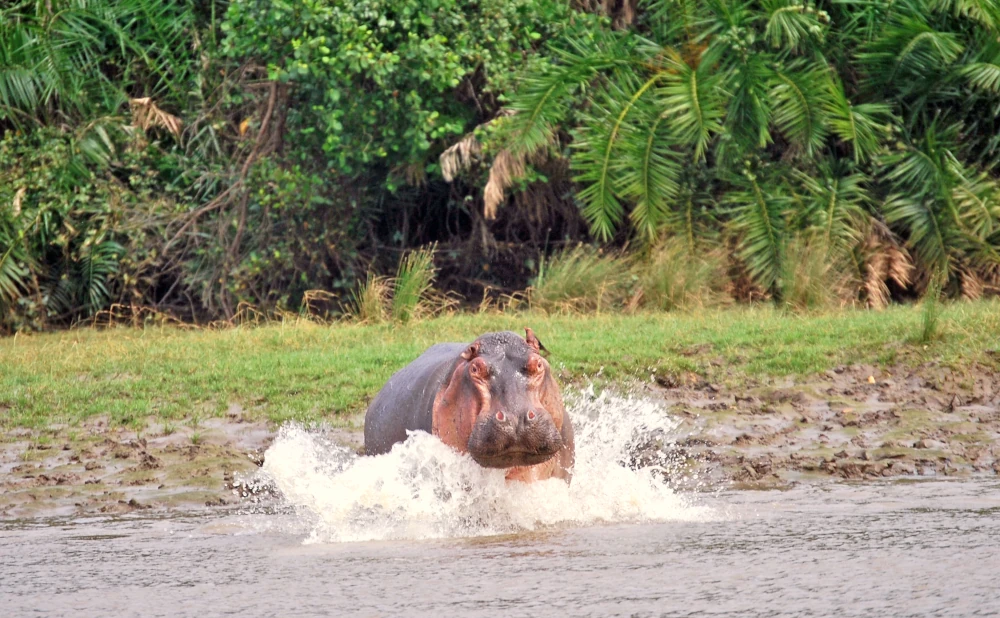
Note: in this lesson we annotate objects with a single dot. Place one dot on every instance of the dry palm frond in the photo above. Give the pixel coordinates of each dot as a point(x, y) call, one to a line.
point(971, 286)
point(460, 156)
point(18, 198)
point(146, 114)
point(884, 260)
point(505, 170)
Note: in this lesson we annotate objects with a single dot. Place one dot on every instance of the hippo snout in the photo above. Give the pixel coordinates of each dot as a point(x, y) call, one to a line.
point(506, 439)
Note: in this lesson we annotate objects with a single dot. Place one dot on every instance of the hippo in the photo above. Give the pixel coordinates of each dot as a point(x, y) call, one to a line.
point(494, 399)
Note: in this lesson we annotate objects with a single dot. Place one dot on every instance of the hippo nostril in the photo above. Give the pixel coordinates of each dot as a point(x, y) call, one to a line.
point(531, 415)
point(501, 416)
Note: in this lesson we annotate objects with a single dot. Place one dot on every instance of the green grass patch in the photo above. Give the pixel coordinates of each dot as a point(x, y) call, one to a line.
point(304, 371)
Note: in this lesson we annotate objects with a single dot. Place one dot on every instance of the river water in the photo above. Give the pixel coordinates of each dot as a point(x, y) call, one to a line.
point(424, 532)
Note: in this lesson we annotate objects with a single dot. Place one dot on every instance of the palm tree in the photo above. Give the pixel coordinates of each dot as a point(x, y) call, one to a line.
point(786, 118)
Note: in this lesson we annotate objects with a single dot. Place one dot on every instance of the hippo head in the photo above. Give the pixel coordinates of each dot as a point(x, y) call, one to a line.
point(516, 411)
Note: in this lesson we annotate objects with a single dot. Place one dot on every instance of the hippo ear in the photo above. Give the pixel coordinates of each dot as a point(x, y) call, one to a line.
point(471, 352)
point(529, 336)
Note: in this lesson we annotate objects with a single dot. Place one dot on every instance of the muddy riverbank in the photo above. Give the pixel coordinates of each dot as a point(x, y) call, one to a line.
point(851, 423)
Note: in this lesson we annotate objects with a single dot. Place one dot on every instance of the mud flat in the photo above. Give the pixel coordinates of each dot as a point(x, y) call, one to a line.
point(92, 468)
point(851, 423)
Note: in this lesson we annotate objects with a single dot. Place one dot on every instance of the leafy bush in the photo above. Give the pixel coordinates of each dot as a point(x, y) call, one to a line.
point(61, 237)
point(379, 81)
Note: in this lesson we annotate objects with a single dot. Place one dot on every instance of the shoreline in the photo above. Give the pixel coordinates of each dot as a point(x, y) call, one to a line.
point(856, 422)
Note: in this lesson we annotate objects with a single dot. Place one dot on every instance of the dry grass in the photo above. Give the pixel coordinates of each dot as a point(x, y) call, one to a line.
point(812, 278)
point(370, 302)
point(672, 277)
point(581, 279)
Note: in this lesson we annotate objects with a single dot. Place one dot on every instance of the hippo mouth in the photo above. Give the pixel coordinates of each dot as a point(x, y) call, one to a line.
point(513, 458)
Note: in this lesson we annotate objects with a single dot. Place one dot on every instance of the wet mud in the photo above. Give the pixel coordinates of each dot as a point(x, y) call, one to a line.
point(852, 423)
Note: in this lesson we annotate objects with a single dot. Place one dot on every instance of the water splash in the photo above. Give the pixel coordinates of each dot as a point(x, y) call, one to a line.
point(423, 489)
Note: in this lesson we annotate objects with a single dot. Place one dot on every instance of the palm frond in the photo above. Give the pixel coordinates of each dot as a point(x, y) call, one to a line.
point(792, 25)
point(758, 218)
point(802, 105)
point(692, 102)
point(595, 144)
point(986, 12)
point(924, 230)
point(859, 125)
point(649, 174)
point(908, 55)
point(982, 75)
point(833, 206)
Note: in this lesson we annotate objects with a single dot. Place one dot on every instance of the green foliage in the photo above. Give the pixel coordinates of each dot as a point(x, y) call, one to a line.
point(413, 285)
point(60, 242)
point(381, 82)
point(798, 119)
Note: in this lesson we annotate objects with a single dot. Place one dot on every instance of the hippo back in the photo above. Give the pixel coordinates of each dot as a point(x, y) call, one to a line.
point(406, 402)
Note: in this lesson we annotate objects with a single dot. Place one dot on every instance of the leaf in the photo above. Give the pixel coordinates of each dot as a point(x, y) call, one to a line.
point(691, 101)
point(802, 105)
point(758, 218)
point(649, 174)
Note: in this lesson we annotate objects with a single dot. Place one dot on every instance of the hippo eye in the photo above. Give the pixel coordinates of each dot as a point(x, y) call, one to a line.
point(534, 365)
point(501, 416)
point(477, 368)
point(531, 415)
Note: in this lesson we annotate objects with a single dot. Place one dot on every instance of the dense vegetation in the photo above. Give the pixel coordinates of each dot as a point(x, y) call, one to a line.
point(191, 157)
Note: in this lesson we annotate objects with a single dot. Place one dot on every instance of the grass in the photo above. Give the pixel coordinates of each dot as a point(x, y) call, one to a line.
point(369, 301)
point(301, 370)
point(580, 279)
point(413, 284)
point(674, 277)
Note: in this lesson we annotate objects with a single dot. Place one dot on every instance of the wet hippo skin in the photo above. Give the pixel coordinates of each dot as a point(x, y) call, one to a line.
point(495, 399)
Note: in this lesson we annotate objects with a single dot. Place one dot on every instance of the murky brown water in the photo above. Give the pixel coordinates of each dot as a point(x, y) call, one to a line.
point(929, 548)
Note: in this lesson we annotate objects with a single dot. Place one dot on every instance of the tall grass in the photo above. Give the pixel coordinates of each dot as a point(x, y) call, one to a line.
point(370, 301)
point(813, 278)
point(411, 295)
point(930, 314)
point(580, 279)
point(673, 277)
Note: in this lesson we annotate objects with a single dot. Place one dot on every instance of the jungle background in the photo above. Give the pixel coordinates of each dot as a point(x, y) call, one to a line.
point(192, 158)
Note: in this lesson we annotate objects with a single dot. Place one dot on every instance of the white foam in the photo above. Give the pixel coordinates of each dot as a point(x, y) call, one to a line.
point(423, 489)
